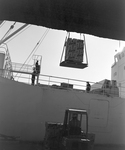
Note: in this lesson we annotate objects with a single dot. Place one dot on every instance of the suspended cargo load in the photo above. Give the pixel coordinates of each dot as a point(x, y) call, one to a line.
point(75, 53)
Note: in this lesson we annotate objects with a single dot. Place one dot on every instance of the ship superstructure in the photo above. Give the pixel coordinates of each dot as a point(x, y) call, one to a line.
point(118, 72)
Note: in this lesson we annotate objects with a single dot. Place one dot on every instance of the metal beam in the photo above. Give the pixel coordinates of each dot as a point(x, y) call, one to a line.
point(11, 35)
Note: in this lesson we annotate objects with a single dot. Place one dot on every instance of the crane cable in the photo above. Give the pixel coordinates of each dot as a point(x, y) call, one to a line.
point(11, 27)
point(18, 33)
point(34, 50)
point(2, 24)
point(40, 41)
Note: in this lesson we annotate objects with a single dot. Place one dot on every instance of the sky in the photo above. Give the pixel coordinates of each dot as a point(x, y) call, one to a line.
point(100, 52)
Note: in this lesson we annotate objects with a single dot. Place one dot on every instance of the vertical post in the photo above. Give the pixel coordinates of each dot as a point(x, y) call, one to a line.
point(37, 79)
point(85, 50)
point(68, 81)
point(64, 47)
point(86, 125)
point(120, 90)
point(49, 81)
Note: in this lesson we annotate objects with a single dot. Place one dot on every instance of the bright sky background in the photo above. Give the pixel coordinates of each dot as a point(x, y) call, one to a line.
point(100, 52)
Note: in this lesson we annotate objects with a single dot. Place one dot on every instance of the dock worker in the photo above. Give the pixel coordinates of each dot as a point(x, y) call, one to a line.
point(88, 87)
point(33, 77)
point(37, 67)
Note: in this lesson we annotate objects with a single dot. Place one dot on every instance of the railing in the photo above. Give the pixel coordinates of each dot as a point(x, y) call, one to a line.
point(79, 85)
point(7, 62)
point(56, 81)
point(23, 74)
point(22, 67)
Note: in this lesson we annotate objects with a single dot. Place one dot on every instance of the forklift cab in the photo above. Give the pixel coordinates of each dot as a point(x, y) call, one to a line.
point(75, 121)
point(69, 135)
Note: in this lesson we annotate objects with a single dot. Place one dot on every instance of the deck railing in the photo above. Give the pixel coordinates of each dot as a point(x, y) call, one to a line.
point(57, 81)
point(74, 84)
point(23, 73)
point(22, 67)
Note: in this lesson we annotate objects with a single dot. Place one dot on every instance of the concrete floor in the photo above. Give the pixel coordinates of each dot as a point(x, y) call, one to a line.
point(97, 147)
point(8, 145)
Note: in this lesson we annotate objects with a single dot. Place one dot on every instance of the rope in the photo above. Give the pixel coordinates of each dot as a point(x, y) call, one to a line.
point(2, 24)
point(18, 33)
point(11, 27)
point(26, 59)
point(40, 41)
point(34, 49)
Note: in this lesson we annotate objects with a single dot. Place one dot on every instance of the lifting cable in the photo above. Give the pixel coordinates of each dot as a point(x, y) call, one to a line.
point(11, 27)
point(40, 41)
point(19, 33)
point(34, 50)
point(2, 23)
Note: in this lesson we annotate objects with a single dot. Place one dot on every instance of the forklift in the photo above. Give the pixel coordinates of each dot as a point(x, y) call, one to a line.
point(70, 135)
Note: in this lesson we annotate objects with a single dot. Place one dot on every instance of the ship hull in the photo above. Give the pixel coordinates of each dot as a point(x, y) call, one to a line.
point(24, 109)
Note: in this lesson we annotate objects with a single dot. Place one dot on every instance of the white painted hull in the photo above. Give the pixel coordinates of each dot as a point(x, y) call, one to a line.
point(24, 109)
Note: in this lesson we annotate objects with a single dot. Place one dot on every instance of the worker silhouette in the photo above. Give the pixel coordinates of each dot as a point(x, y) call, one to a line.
point(74, 125)
point(37, 67)
point(88, 87)
point(33, 76)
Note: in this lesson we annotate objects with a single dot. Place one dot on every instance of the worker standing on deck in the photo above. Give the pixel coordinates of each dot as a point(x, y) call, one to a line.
point(33, 77)
point(37, 67)
point(88, 87)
